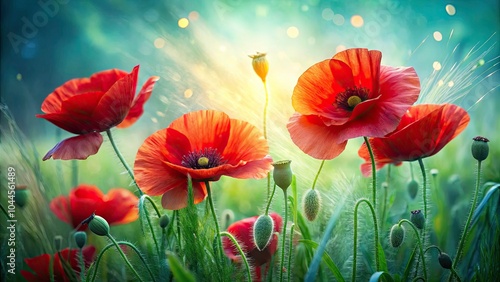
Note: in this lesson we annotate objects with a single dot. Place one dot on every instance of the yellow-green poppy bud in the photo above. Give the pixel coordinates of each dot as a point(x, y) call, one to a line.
point(480, 148)
point(263, 231)
point(80, 238)
point(99, 226)
point(311, 203)
point(397, 235)
point(260, 65)
point(282, 174)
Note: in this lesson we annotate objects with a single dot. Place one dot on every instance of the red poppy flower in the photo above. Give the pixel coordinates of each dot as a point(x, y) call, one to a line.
point(348, 96)
point(119, 206)
point(40, 265)
point(87, 106)
point(243, 231)
point(204, 144)
point(423, 131)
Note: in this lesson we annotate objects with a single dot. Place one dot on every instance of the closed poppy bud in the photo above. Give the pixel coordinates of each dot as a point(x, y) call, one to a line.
point(164, 221)
point(58, 242)
point(260, 65)
point(22, 195)
point(445, 260)
point(418, 219)
point(434, 172)
point(99, 226)
point(263, 231)
point(80, 239)
point(311, 203)
point(412, 187)
point(227, 217)
point(397, 235)
point(480, 148)
point(282, 174)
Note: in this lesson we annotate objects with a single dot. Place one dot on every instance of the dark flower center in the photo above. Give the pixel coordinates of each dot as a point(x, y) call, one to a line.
point(202, 159)
point(351, 97)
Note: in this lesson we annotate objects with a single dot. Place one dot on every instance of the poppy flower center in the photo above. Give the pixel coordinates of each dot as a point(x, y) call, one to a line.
point(202, 159)
point(351, 97)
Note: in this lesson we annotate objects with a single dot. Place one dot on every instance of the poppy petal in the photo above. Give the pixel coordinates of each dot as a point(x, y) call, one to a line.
point(119, 207)
point(175, 199)
point(138, 105)
point(76, 148)
point(40, 267)
point(117, 101)
point(71, 122)
point(177, 145)
point(61, 207)
point(84, 201)
point(309, 131)
point(53, 102)
point(253, 169)
point(104, 80)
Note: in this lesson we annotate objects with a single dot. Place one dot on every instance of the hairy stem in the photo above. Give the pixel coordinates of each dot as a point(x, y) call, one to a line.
point(419, 242)
point(217, 229)
point(242, 254)
point(282, 263)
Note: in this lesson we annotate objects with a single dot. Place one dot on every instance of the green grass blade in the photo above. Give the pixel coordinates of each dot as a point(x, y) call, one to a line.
point(326, 259)
point(179, 272)
point(381, 276)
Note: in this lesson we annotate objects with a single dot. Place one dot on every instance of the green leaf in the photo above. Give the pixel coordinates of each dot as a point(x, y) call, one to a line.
point(408, 267)
point(326, 259)
point(179, 272)
point(381, 256)
point(484, 202)
point(381, 276)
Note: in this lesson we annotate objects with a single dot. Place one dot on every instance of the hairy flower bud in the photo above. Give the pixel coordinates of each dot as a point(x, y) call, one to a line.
point(445, 261)
point(311, 203)
point(260, 65)
point(418, 219)
point(164, 221)
point(282, 174)
point(480, 148)
point(80, 238)
point(412, 187)
point(263, 231)
point(99, 226)
point(397, 235)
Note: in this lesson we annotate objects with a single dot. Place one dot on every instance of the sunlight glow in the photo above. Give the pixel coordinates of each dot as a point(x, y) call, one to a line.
point(292, 32)
point(450, 9)
point(357, 21)
point(159, 43)
point(436, 65)
point(183, 22)
point(437, 36)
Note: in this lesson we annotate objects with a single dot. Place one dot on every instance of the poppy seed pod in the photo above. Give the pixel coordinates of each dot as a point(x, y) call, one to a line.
point(445, 261)
point(22, 195)
point(263, 231)
point(418, 219)
point(480, 148)
point(99, 226)
point(80, 238)
point(311, 203)
point(397, 235)
point(412, 187)
point(282, 174)
point(260, 65)
point(58, 242)
point(164, 221)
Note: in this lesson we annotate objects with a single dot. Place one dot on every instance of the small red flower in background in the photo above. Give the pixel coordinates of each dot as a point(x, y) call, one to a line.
point(87, 106)
point(423, 131)
point(40, 265)
point(348, 96)
point(119, 206)
point(243, 231)
point(204, 144)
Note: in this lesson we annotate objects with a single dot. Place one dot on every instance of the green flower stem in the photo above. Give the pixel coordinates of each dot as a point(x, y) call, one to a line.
point(242, 254)
point(290, 246)
point(432, 247)
point(149, 220)
point(465, 232)
point(453, 272)
point(74, 173)
point(317, 174)
point(153, 204)
point(386, 189)
point(355, 240)
point(418, 278)
point(270, 200)
point(51, 268)
point(217, 229)
point(82, 265)
point(178, 220)
point(419, 244)
point(374, 175)
point(120, 156)
point(4, 211)
point(99, 257)
point(282, 263)
point(124, 257)
point(424, 178)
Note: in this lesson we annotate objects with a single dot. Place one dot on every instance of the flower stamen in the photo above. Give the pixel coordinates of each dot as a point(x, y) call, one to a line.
point(351, 97)
point(202, 159)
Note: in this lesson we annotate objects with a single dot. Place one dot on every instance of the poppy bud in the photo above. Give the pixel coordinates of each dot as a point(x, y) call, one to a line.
point(480, 148)
point(22, 195)
point(263, 231)
point(80, 238)
point(412, 187)
point(227, 217)
point(397, 235)
point(164, 221)
point(311, 203)
point(99, 226)
point(445, 260)
point(418, 219)
point(260, 65)
point(282, 174)
point(434, 172)
point(58, 242)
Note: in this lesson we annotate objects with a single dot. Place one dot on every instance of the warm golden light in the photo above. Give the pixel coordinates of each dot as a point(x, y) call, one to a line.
point(159, 43)
point(292, 32)
point(188, 93)
point(437, 36)
point(436, 65)
point(450, 9)
point(183, 22)
point(357, 21)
